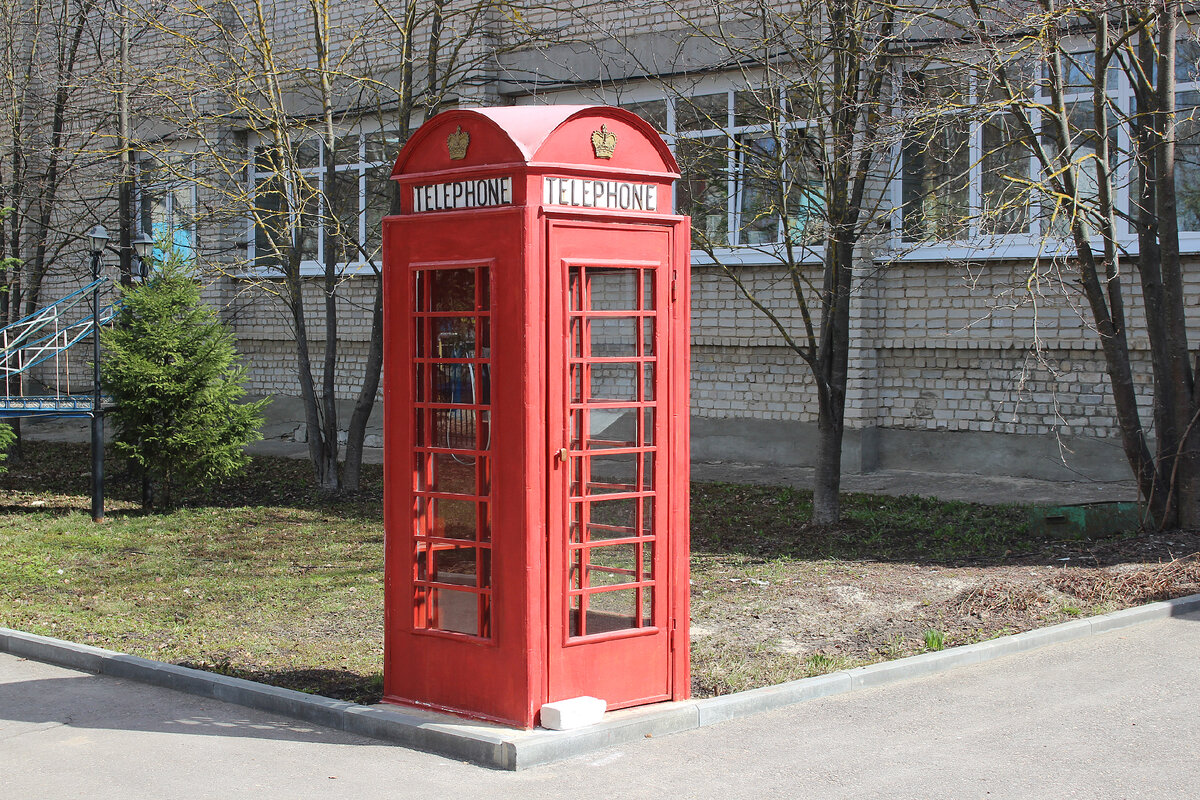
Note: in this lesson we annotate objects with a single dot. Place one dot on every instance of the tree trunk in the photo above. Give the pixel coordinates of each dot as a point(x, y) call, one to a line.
point(365, 403)
point(827, 480)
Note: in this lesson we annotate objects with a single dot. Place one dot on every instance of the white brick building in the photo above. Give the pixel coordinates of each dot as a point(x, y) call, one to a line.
point(960, 362)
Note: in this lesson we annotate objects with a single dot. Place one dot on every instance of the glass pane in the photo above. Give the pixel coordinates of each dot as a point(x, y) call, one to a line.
point(382, 146)
point(647, 383)
point(612, 289)
point(576, 337)
point(702, 113)
point(456, 383)
point(1080, 70)
point(341, 232)
point(453, 427)
point(1086, 138)
point(453, 519)
point(935, 183)
point(613, 337)
point(1005, 203)
point(648, 561)
point(265, 158)
point(754, 106)
point(379, 203)
point(703, 191)
point(1187, 160)
point(454, 565)
point(615, 473)
point(345, 149)
point(574, 615)
point(575, 288)
point(310, 226)
point(609, 382)
point(420, 434)
point(308, 153)
point(452, 289)
point(270, 223)
point(453, 474)
point(611, 611)
point(653, 111)
point(612, 519)
point(760, 183)
point(576, 520)
point(455, 611)
point(575, 568)
point(611, 427)
point(805, 188)
point(612, 565)
point(648, 336)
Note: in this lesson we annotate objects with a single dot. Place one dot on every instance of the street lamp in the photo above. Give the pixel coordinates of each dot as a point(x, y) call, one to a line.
point(99, 238)
point(143, 246)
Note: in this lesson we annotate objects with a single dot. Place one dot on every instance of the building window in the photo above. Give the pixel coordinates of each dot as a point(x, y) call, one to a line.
point(966, 176)
point(962, 177)
point(360, 197)
point(166, 203)
point(742, 177)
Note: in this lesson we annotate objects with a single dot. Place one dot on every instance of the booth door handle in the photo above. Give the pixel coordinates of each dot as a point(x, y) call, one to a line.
point(562, 454)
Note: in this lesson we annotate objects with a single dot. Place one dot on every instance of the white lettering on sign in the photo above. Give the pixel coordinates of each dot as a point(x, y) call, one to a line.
point(463, 194)
point(588, 193)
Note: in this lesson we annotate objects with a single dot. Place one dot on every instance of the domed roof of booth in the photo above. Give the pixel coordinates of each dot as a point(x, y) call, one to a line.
point(551, 135)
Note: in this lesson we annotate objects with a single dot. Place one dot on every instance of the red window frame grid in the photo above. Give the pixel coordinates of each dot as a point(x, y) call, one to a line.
point(578, 448)
point(424, 609)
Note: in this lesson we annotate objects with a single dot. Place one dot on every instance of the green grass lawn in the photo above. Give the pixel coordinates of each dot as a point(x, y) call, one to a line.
point(264, 577)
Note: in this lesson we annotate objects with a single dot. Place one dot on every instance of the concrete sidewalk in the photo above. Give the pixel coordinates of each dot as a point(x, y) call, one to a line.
point(1109, 716)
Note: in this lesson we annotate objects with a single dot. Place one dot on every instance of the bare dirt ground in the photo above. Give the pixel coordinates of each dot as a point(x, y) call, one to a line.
point(761, 621)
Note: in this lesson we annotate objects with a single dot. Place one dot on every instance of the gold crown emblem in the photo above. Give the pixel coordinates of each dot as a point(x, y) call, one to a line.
point(456, 144)
point(604, 142)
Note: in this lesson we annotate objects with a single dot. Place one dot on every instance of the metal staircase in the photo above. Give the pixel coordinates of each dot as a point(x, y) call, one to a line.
point(35, 358)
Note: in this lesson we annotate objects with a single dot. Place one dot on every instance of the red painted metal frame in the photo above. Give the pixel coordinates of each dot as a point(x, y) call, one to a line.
point(506, 670)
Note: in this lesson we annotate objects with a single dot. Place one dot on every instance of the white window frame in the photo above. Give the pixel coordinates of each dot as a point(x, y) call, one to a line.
point(1032, 243)
point(358, 265)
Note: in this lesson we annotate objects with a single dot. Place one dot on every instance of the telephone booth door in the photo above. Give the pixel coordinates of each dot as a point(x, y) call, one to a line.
point(610, 605)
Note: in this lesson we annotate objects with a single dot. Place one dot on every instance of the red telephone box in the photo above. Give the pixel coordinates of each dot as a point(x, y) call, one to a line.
point(536, 415)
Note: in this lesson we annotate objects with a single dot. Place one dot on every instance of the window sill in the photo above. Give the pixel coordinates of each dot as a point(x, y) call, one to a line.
point(308, 269)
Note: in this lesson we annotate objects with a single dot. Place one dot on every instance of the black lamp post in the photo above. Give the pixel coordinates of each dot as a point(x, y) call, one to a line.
point(98, 237)
point(143, 246)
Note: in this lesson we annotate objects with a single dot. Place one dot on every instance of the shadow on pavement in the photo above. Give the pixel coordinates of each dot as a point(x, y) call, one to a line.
point(100, 702)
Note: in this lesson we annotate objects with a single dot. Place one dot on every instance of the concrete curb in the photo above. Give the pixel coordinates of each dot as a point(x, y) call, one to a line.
point(505, 748)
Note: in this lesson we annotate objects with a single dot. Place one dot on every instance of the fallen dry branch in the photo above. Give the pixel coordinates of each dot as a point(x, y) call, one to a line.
point(1132, 586)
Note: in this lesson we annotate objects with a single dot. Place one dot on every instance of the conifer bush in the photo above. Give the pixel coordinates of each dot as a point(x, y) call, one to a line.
point(175, 379)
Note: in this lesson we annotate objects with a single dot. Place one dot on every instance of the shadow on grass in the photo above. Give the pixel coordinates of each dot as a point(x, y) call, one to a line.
point(767, 523)
point(758, 522)
point(339, 684)
point(59, 469)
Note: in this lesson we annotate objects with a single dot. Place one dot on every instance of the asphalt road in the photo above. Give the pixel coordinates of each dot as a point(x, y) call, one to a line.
point(1112, 716)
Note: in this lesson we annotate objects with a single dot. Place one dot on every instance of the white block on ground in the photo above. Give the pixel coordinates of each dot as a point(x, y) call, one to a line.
point(578, 712)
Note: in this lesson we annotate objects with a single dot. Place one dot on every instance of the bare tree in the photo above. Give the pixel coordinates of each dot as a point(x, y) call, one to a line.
point(1052, 67)
point(44, 50)
point(803, 177)
point(243, 67)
